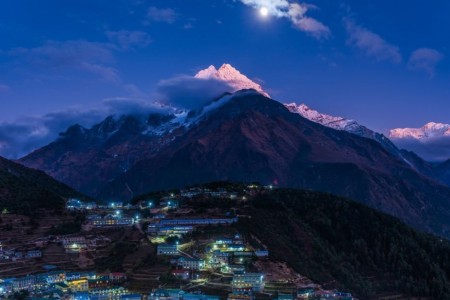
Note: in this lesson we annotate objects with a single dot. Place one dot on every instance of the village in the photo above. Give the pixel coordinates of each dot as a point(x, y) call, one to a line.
point(165, 246)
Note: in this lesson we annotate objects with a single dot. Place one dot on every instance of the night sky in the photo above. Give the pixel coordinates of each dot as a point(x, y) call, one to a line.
point(384, 64)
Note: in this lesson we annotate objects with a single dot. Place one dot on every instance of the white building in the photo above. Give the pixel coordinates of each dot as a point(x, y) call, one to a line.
point(167, 249)
point(190, 263)
point(248, 281)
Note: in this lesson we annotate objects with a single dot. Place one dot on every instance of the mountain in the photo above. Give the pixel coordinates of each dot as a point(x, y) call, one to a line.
point(238, 81)
point(337, 123)
point(24, 190)
point(411, 158)
point(232, 77)
point(431, 141)
point(348, 246)
point(103, 152)
point(442, 171)
point(88, 158)
point(340, 123)
point(428, 131)
point(253, 138)
point(245, 136)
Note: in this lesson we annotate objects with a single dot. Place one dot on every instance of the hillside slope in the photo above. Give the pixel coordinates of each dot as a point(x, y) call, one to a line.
point(24, 190)
point(347, 245)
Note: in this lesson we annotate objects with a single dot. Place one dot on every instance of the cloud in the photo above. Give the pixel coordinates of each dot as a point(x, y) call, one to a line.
point(4, 88)
point(296, 13)
point(106, 73)
point(32, 132)
point(93, 58)
point(188, 26)
point(82, 55)
point(425, 59)
point(127, 40)
point(119, 106)
point(166, 15)
point(371, 43)
point(431, 149)
point(27, 134)
point(189, 92)
point(67, 53)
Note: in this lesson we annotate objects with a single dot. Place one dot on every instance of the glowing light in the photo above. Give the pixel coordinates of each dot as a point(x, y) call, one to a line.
point(264, 11)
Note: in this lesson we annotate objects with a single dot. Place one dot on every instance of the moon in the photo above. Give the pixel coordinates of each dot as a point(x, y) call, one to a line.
point(263, 11)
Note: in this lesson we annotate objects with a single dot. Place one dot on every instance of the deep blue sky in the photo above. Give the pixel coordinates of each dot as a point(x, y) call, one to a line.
point(76, 53)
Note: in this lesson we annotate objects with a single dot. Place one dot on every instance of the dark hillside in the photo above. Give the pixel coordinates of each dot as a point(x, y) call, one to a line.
point(24, 190)
point(348, 245)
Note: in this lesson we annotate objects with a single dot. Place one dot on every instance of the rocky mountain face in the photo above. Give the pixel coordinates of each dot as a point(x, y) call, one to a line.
point(86, 159)
point(238, 81)
point(351, 126)
point(24, 190)
point(442, 171)
point(110, 148)
point(253, 138)
point(246, 136)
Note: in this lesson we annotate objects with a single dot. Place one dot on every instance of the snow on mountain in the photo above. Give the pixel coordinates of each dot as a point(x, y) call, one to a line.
point(232, 77)
point(173, 119)
point(429, 130)
point(343, 124)
point(337, 123)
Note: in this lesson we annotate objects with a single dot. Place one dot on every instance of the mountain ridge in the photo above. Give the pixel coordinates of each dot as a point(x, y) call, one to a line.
point(428, 131)
point(247, 137)
point(238, 143)
point(340, 123)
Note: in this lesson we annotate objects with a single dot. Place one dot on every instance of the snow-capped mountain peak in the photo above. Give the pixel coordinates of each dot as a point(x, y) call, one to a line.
point(338, 123)
point(429, 130)
point(235, 79)
point(209, 72)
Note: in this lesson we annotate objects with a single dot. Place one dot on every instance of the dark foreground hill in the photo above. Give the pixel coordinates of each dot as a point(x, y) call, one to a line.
point(24, 190)
point(348, 245)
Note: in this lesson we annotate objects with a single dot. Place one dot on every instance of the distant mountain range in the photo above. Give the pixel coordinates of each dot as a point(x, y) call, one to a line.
point(431, 141)
point(246, 136)
point(428, 131)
